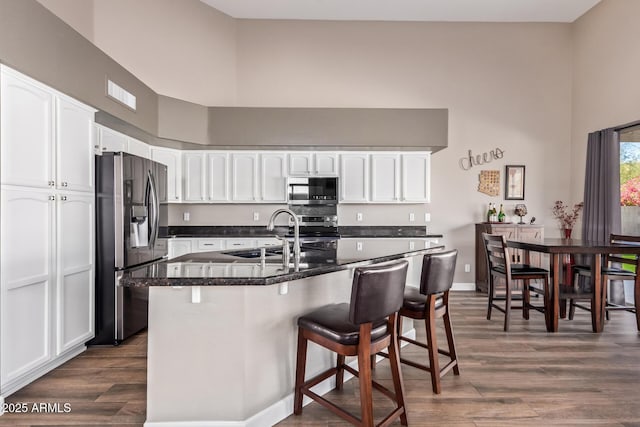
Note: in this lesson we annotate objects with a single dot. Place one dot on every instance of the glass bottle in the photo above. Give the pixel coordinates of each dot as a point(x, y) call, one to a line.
point(501, 215)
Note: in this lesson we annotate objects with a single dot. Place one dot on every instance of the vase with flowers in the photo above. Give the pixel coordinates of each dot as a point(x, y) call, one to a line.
point(566, 216)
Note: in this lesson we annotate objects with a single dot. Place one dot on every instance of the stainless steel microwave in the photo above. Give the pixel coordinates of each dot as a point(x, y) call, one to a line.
point(313, 190)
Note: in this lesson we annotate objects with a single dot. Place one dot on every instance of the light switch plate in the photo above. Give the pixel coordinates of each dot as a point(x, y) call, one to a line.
point(412, 217)
point(256, 216)
point(359, 216)
point(427, 217)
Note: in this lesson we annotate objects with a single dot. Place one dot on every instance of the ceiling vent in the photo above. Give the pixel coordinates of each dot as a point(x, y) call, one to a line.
point(121, 95)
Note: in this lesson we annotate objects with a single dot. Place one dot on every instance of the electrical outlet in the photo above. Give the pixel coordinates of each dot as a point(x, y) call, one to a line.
point(467, 268)
point(186, 216)
point(359, 216)
point(412, 217)
point(256, 216)
point(283, 289)
point(358, 246)
point(427, 217)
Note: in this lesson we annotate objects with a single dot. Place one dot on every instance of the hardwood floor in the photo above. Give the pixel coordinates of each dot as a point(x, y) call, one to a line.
point(526, 377)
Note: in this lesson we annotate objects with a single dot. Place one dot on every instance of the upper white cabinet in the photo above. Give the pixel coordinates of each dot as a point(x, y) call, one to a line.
point(173, 160)
point(385, 177)
point(416, 177)
point(47, 137)
point(194, 176)
point(244, 177)
point(74, 147)
point(27, 133)
point(110, 140)
point(139, 148)
point(273, 181)
point(306, 163)
point(217, 169)
point(354, 178)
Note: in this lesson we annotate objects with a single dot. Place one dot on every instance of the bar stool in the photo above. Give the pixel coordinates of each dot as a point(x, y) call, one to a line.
point(361, 328)
point(428, 303)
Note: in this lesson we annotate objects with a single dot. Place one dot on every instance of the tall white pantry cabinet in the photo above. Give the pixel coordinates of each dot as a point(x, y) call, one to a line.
point(46, 229)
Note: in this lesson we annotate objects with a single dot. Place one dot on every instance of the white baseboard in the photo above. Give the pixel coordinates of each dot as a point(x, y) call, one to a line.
point(276, 412)
point(464, 286)
point(1, 405)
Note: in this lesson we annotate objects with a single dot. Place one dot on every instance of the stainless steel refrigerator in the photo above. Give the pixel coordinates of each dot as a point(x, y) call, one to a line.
point(131, 217)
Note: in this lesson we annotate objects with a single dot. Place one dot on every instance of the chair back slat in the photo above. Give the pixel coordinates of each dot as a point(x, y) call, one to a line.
point(437, 272)
point(496, 251)
point(622, 257)
point(377, 291)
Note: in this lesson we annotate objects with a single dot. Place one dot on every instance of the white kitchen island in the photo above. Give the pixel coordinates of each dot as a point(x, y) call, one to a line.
point(223, 331)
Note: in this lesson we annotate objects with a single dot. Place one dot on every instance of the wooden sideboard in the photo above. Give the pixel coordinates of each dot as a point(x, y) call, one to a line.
point(511, 231)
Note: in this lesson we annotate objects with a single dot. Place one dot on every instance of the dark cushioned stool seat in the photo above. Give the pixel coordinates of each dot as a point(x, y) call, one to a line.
point(332, 322)
point(521, 269)
point(415, 301)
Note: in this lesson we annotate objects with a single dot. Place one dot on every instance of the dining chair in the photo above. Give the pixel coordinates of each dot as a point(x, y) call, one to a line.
point(619, 266)
point(361, 328)
point(500, 266)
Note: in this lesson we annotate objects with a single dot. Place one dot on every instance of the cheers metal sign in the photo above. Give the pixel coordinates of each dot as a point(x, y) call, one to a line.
point(472, 160)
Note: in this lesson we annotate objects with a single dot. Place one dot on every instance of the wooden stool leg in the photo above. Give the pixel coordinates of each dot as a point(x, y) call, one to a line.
point(572, 308)
point(526, 299)
point(490, 296)
point(432, 344)
point(449, 331)
point(396, 373)
point(364, 368)
point(636, 299)
point(340, 372)
point(563, 308)
point(301, 363)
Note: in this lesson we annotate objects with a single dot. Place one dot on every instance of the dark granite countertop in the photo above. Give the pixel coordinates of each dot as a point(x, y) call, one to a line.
point(239, 267)
point(261, 231)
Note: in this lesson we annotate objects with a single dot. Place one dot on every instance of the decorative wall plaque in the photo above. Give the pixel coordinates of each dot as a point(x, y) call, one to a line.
point(489, 183)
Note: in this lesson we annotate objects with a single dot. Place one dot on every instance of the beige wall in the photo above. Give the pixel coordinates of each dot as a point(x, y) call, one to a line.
point(506, 85)
point(182, 49)
point(606, 87)
point(78, 14)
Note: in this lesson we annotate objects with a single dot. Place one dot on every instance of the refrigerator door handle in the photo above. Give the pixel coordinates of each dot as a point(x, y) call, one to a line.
point(155, 208)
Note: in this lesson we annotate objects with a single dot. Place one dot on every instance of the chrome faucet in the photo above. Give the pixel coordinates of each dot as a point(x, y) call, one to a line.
point(296, 234)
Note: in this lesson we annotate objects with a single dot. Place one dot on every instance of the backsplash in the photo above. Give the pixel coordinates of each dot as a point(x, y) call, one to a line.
point(243, 214)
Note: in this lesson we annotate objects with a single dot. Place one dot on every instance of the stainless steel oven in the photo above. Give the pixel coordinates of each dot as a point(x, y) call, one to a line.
point(313, 190)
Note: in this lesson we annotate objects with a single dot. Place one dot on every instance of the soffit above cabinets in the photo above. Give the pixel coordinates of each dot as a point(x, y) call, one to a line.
point(240, 128)
point(408, 10)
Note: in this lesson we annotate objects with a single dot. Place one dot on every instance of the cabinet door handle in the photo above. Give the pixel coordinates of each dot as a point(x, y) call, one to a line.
point(52, 198)
point(65, 184)
point(63, 198)
point(52, 183)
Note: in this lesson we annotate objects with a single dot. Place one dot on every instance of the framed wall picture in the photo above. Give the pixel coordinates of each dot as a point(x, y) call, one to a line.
point(514, 182)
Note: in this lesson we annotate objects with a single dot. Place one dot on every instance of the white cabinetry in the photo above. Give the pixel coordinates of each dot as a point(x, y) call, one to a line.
point(354, 178)
point(194, 176)
point(217, 169)
point(394, 177)
point(313, 163)
point(173, 160)
point(74, 147)
point(110, 140)
point(244, 177)
point(273, 181)
point(27, 132)
point(27, 281)
point(139, 148)
point(46, 229)
point(75, 270)
point(416, 177)
point(385, 177)
point(179, 247)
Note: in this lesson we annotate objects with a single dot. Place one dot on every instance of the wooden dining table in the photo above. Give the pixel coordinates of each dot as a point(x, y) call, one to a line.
point(557, 248)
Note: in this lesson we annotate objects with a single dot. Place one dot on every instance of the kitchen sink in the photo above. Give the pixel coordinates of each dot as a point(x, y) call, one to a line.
point(254, 253)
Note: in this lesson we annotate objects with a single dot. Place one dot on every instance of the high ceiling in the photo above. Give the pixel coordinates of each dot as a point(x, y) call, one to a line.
point(408, 10)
